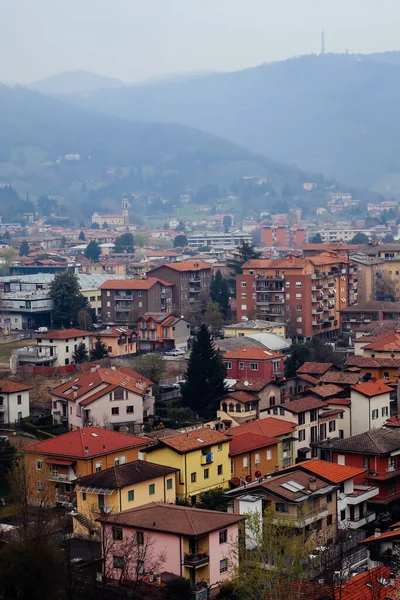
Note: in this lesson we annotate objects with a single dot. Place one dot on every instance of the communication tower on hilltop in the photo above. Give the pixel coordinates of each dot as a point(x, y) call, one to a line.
point(322, 42)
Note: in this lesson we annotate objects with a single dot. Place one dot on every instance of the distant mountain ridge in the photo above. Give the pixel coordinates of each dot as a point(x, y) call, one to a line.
point(74, 82)
point(337, 114)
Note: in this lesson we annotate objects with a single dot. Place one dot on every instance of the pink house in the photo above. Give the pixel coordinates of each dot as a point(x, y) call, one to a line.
point(157, 538)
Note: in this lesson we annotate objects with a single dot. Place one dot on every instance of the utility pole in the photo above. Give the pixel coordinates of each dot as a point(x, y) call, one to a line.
point(322, 42)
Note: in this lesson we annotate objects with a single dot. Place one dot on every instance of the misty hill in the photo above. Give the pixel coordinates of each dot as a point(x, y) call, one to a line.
point(74, 82)
point(335, 114)
point(50, 147)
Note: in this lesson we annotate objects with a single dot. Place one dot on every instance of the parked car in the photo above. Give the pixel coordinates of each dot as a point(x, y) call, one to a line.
point(176, 352)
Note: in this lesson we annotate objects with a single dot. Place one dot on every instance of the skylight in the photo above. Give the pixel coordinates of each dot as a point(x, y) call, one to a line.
point(292, 486)
point(200, 440)
point(95, 434)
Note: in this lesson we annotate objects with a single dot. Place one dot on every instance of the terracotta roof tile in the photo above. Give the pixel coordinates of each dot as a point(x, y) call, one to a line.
point(270, 427)
point(343, 401)
point(314, 368)
point(302, 404)
point(331, 471)
point(252, 354)
point(341, 378)
point(65, 334)
point(133, 284)
point(308, 378)
point(375, 442)
point(326, 390)
point(371, 363)
point(248, 441)
point(193, 440)
point(387, 343)
point(372, 388)
point(127, 474)
point(188, 265)
point(10, 387)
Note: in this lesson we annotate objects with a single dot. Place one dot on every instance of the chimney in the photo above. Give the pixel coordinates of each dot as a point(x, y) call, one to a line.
point(312, 484)
point(377, 533)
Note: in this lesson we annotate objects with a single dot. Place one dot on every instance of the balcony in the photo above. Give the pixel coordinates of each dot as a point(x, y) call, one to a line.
point(207, 459)
point(196, 560)
point(37, 354)
point(303, 520)
point(358, 522)
point(382, 475)
point(317, 311)
point(60, 477)
point(362, 493)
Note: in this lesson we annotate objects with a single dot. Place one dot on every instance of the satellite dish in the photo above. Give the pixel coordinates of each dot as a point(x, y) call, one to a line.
point(246, 383)
point(107, 509)
point(257, 474)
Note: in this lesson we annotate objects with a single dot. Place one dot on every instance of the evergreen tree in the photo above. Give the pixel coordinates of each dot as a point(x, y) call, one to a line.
point(95, 226)
point(124, 243)
point(105, 225)
point(7, 236)
point(24, 248)
point(99, 349)
point(243, 253)
point(82, 236)
point(360, 238)
point(93, 251)
point(67, 299)
point(205, 376)
point(316, 239)
point(81, 354)
point(180, 240)
point(219, 292)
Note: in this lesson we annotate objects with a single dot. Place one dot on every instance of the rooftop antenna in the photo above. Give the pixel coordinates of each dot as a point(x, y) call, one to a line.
point(322, 42)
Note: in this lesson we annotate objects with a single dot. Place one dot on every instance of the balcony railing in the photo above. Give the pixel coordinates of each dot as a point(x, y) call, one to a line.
point(387, 474)
point(207, 459)
point(196, 560)
point(62, 477)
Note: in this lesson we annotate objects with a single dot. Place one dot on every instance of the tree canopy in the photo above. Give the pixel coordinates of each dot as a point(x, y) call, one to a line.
point(81, 354)
point(124, 244)
point(93, 251)
point(180, 240)
point(67, 299)
point(315, 350)
point(24, 248)
point(360, 238)
point(99, 350)
point(205, 376)
point(219, 292)
point(244, 252)
point(317, 239)
point(82, 236)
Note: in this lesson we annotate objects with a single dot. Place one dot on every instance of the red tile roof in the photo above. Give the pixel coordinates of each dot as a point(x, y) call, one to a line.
point(343, 401)
point(11, 387)
point(314, 368)
point(188, 265)
point(302, 404)
point(393, 421)
point(372, 388)
point(387, 343)
point(248, 441)
point(252, 354)
point(193, 440)
point(331, 413)
point(270, 427)
point(341, 378)
point(331, 471)
point(326, 390)
point(370, 363)
point(253, 385)
point(133, 284)
point(65, 334)
point(241, 396)
point(308, 378)
point(98, 442)
point(383, 536)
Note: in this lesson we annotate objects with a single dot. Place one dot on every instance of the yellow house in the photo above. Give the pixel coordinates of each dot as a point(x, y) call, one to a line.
point(121, 488)
point(201, 457)
point(247, 328)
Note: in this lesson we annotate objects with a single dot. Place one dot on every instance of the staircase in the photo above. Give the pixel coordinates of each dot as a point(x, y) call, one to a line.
point(85, 522)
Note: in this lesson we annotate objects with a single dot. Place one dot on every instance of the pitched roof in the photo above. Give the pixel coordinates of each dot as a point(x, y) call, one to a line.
point(372, 388)
point(193, 440)
point(11, 387)
point(393, 421)
point(252, 385)
point(331, 471)
point(276, 485)
point(80, 385)
point(308, 378)
point(248, 441)
point(252, 354)
point(87, 443)
point(371, 363)
point(174, 519)
point(341, 378)
point(326, 390)
point(65, 334)
point(375, 441)
point(314, 368)
point(241, 396)
point(115, 332)
point(343, 401)
point(331, 413)
point(382, 536)
point(133, 284)
point(270, 427)
point(302, 404)
point(187, 265)
point(387, 343)
point(126, 474)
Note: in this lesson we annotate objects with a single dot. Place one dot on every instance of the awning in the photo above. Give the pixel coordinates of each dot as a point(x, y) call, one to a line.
point(304, 450)
point(59, 461)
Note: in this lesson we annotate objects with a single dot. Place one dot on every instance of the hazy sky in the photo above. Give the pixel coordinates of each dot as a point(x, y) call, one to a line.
point(136, 39)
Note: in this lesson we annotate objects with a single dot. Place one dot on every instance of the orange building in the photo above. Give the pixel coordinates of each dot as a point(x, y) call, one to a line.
point(375, 368)
point(120, 341)
point(160, 330)
point(283, 236)
point(253, 456)
point(54, 464)
point(306, 292)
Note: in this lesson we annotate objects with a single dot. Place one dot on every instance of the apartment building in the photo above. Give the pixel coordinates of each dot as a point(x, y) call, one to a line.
point(160, 330)
point(191, 281)
point(370, 406)
point(365, 312)
point(246, 363)
point(283, 236)
point(307, 292)
point(14, 402)
point(121, 297)
point(58, 347)
point(379, 270)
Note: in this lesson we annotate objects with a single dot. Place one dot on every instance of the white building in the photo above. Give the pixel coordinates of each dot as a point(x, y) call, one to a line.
point(370, 406)
point(63, 343)
point(14, 402)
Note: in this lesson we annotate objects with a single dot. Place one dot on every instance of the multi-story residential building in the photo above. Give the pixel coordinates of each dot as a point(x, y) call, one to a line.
point(370, 406)
point(379, 268)
point(120, 341)
point(191, 280)
point(247, 328)
point(111, 397)
point(385, 346)
point(283, 236)
point(307, 292)
point(160, 330)
point(367, 312)
point(252, 456)
point(246, 363)
point(238, 407)
point(306, 503)
point(202, 457)
point(375, 368)
point(58, 347)
point(14, 402)
point(121, 297)
point(121, 487)
point(230, 239)
point(377, 451)
point(352, 509)
point(56, 463)
point(195, 544)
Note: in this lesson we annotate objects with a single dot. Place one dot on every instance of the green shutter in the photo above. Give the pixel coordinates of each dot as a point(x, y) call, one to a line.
point(131, 496)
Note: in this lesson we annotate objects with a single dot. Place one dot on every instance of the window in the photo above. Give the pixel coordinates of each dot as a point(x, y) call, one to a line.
point(140, 538)
point(253, 366)
point(219, 447)
point(219, 469)
point(131, 495)
point(329, 520)
point(299, 307)
point(115, 410)
point(120, 460)
point(118, 562)
point(98, 466)
point(385, 411)
point(256, 458)
point(19, 399)
point(228, 365)
point(193, 477)
point(298, 296)
point(117, 533)
point(245, 462)
point(313, 415)
point(244, 306)
point(243, 284)
point(287, 296)
point(169, 484)
point(243, 296)
point(40, 486)
point(100, 499)
point(302, 435)
point(341, 434)
point(67, 348)
point(223, 565)
point(206, 473)
point(298, 284)
point(386, 375)
point(268, 455)
point(302, 418)
point(241, 366)
point(152, 489)
point(39, 464)
point(272, 400)
point(281, 507)
point(332, 425)
point(140, 567)
point(119, 394)
point(340, 416)
point(375, 414)
point(328, 498)
point(223, 536)
point(232, 467)
point(343, 515)
point(322, 431)
point(299, 319)
point(129, 409)
point(83, 496)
